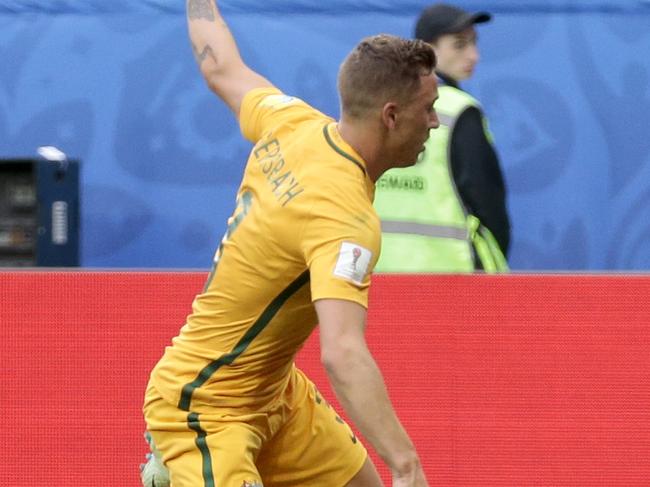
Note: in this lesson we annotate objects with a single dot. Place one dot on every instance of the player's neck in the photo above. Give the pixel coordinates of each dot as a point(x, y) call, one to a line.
point(364, 140)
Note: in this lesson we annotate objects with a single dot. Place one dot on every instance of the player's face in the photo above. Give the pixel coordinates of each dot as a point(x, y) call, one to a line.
point(415, 121)
point(457, 54)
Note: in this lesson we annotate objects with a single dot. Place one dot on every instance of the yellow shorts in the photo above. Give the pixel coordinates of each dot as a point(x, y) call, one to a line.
point(301, 442)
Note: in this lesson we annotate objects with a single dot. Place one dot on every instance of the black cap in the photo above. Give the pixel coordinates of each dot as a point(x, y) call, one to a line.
point(442, 18)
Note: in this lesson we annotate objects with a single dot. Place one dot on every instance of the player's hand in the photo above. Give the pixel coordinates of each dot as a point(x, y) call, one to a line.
point(413, 478)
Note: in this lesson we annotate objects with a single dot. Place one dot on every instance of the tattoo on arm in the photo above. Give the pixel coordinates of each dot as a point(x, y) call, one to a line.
point(200, 56)
point(200, 9)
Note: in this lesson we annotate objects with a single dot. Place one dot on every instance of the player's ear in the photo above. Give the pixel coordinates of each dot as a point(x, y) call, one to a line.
point(389, 115)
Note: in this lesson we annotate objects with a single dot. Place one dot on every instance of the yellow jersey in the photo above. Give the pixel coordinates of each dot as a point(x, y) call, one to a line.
point(304, 229)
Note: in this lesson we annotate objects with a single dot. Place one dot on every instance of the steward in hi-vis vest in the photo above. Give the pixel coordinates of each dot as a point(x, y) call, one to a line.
point(448, 212)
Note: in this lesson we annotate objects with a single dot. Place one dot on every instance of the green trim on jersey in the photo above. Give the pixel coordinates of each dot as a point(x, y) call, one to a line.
point(265, 318)
point(341, 151)
point(201, 442)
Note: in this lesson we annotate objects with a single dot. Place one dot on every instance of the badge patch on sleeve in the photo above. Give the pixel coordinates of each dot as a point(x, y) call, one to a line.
point(278, 101)
point(353, 262)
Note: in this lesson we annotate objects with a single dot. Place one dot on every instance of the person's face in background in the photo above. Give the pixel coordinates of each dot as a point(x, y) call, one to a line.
point(457, 54)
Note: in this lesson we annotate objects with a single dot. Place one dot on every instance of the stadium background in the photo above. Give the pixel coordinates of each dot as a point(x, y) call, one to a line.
point(114, 84)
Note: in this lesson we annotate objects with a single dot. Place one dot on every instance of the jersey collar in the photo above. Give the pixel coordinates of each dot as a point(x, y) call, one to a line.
point(335, 141)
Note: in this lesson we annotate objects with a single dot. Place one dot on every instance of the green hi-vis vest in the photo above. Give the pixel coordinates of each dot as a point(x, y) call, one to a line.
point(425, 227)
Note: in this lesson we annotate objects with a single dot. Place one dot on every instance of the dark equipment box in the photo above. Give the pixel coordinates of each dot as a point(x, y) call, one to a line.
point(39, 213)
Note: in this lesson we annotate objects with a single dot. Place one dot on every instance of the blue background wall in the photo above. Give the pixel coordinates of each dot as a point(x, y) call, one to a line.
point(114, 84)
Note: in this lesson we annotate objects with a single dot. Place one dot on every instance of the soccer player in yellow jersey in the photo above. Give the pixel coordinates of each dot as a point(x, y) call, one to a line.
point(225, 405)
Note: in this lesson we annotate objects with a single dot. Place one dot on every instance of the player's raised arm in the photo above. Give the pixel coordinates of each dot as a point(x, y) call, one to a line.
point(217, 54)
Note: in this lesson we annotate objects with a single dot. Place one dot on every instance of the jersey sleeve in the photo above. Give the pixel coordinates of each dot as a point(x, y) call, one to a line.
point(264, 109)
point(341, 248)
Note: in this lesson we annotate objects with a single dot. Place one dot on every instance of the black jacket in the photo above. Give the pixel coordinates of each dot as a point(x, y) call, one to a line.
point(477, 173)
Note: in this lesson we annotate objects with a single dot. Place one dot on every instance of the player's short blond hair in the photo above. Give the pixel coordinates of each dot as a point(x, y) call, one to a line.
point(381, 69)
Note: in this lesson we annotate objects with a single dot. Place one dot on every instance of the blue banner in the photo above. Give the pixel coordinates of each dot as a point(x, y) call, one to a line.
point(566, 93)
